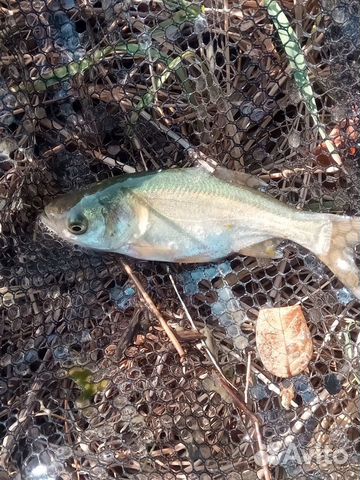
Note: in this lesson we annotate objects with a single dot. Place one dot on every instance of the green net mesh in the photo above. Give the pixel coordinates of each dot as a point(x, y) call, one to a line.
point(90, 386)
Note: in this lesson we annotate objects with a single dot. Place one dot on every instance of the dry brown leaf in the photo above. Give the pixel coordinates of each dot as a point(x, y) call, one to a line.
point(283, 340)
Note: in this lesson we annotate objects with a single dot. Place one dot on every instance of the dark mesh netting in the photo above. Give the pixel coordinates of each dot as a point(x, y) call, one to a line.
point(91, 386)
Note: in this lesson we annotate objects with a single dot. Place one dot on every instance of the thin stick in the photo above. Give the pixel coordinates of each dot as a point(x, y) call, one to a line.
point(271, 386)
point(191, 321)
point(238, 402)
point(154, 310)
point(248, 372)
point(287, 173)
point(68, 432)
point(70, 136)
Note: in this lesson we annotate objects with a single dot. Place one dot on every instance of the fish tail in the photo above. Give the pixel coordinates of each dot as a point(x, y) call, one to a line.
point(339, 256)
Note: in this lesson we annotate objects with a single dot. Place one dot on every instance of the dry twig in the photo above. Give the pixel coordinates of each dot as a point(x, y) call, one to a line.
point(154, 310)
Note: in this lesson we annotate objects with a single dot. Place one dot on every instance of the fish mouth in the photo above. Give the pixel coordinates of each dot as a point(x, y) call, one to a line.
point(46, 220)
point(43, 218)
point(52, 222)
point(44, 223)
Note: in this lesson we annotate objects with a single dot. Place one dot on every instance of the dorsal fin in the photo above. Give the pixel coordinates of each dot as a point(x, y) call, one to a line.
point(241, 179)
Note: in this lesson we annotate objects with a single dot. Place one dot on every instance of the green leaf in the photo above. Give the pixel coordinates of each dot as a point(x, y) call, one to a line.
point(84, 380)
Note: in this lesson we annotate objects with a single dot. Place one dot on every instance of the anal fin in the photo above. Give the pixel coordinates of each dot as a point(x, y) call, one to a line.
point(265, 249)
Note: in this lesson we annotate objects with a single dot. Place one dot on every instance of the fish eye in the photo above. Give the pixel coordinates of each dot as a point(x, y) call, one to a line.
point(78, 226)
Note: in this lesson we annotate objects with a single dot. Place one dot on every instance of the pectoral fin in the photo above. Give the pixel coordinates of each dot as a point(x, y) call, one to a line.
point(239, 178)
point(265, 249)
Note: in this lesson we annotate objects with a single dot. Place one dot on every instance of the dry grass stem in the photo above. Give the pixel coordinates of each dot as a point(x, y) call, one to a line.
point(154, 310)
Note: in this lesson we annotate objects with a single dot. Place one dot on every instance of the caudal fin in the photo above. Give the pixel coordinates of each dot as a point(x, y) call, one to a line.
point(340, 256)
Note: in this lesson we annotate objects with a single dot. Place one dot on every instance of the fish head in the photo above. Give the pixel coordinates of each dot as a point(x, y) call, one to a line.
point(87, 219)
point(75, 217)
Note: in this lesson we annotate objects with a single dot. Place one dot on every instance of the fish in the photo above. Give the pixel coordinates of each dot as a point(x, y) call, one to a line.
point(190, 215)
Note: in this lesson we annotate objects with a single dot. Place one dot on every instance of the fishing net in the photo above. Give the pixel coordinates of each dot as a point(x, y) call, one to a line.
point(91, 386)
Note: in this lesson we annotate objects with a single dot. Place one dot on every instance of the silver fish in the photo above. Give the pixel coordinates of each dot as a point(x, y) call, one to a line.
point(191, 216)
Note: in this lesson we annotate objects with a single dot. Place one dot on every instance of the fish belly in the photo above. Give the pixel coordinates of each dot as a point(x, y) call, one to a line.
point(196, 228)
